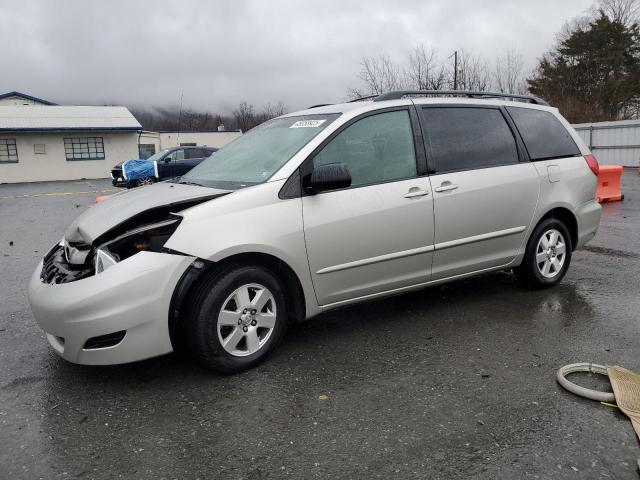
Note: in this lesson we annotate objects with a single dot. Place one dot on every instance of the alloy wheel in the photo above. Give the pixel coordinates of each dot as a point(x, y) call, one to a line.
point(551, 253)
point(247, 319)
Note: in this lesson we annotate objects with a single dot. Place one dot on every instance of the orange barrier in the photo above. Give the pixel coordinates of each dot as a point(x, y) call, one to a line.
point(609, 184)
point(101, 198)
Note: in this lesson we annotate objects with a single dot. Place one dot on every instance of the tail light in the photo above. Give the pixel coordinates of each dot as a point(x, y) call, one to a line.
point(592, 161)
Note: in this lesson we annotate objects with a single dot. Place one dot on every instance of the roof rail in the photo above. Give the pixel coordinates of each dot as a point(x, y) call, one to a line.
point(361, 99)
point(319, 105)
point(458, 93)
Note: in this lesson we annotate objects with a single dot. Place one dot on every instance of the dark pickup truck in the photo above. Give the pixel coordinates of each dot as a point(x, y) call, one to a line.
point(172, 162)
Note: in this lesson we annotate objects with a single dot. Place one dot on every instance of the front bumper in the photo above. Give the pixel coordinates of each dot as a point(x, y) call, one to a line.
point(117, 178)
point(133, 295)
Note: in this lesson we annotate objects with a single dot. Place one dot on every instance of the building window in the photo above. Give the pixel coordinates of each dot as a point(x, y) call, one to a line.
point(39, 148)
point(188, 144)
point(8, 150)
point(84, 148)
point(145, 150)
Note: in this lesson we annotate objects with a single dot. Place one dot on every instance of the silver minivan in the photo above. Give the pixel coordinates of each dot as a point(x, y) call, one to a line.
point(317, 209)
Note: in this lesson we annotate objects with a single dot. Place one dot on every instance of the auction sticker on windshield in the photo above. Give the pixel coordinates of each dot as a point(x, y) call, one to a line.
point(307, 123)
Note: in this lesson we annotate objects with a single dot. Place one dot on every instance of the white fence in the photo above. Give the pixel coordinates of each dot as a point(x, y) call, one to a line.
point(613, 143)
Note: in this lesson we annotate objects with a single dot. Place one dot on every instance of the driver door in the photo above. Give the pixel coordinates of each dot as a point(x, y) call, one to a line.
point(377, 234)
point(169, 167)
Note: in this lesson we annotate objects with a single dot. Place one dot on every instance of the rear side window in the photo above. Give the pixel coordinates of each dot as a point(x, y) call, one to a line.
point(465, 138)
point(543, 134)
point(194, 153)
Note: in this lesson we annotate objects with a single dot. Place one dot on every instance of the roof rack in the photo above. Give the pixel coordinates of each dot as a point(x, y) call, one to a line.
point(361, 99)
point(458, 93)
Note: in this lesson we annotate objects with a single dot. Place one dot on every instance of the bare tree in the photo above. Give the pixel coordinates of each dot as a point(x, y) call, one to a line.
point(623, 11)
point(378, 75)
point(424, 71)
point(244, 116)
point(473, 72)
point(271, 111)
point(508, 73)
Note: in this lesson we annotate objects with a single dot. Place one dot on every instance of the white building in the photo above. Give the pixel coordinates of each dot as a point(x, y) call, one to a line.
point(153, 142)
point(42, 141)
point(47, 142)
point(14, 99)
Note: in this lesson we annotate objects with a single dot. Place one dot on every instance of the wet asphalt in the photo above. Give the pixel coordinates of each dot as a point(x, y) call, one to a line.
point(456, 381)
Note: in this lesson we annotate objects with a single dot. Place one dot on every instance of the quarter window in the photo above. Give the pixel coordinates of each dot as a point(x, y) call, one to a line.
point(378, 148)
point(84, 148)
point(8, 150)
point(465, 138)
point(543, 134)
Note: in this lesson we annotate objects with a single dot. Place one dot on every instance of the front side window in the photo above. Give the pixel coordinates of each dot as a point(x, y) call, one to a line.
point(379, 148)
point(8, 150)
point(255, 156)
point(543, 134)
point(177, 155)
point(465, 138)
point(84, 148)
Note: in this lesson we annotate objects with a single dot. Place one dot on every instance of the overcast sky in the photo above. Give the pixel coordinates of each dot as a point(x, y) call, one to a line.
point(218, 53)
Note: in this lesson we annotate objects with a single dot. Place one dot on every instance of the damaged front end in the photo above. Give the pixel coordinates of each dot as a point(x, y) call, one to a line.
point(146, 231)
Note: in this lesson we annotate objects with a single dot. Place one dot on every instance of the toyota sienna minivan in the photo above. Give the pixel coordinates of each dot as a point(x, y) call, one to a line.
point(313, 210)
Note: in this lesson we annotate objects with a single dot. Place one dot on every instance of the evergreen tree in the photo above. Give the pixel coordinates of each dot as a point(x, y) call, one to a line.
point(594, 72)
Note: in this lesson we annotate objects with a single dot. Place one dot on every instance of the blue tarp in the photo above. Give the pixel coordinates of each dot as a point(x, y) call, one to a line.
point(139, 169)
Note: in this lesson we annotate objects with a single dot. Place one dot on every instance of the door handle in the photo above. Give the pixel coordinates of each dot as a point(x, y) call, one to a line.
point(446, 187)
point(416, 192)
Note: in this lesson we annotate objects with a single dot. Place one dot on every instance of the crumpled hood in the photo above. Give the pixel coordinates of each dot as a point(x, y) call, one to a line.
point(122, 206)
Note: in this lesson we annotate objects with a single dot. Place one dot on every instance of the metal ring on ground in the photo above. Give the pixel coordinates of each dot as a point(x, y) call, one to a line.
point(578, 390)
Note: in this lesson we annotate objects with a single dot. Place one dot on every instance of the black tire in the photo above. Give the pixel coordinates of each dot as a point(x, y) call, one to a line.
point(207, 302)
point(528, 274)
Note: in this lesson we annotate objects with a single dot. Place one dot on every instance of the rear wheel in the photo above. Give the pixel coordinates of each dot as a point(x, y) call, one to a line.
point(237, 319)
point(547, 257)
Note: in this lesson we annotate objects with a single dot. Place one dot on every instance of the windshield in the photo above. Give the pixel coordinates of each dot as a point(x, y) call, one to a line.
point(157, 156)
point(255, 156)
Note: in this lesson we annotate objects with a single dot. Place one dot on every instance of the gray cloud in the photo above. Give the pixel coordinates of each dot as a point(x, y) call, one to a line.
point(220, 53)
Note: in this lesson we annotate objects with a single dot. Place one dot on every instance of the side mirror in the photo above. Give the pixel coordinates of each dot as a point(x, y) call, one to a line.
point(329, 177)
point(167, 159)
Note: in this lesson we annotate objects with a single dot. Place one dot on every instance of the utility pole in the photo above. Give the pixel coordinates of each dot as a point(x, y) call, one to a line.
point(455, 70)
point(180, 118)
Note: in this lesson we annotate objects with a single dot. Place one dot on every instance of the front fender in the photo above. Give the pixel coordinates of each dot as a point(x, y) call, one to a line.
point(251, 220)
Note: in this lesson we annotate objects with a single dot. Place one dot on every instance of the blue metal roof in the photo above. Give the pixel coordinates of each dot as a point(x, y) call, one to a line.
point(26, 97)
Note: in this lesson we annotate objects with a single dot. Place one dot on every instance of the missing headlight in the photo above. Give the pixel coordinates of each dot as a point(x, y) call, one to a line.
point(148, 238)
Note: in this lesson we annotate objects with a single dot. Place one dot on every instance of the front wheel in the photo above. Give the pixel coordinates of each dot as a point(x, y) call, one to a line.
point(547, 256)
point(237, 319)
point(144, 181)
